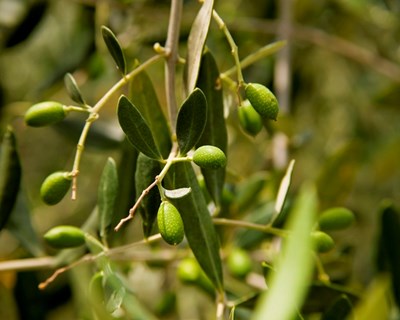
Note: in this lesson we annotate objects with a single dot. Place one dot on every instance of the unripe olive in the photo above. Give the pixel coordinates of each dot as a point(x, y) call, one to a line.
point(62, 237)
point(335, 219)
point(322, 242)
point(249, 119)
point(239, 263)
point(55, 186)
point(262, 100)
point(209, 157)
point(170, 223)
point(188, 270)
point(45, 113)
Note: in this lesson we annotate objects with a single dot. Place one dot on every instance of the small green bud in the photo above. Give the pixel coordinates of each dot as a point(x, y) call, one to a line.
point(45, 113)
point(335, 219)
point(239, 263)
point(262, 100)
point(62, 237)
point(209, 157)
point(170, 223)
point(249, 119)
point(322, 242)
point(55, 187)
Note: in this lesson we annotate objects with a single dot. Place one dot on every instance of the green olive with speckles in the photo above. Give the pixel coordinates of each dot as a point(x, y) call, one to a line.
point(170, 223)
point(55, 187)
point(45, 113)
point(262, 100)
point(209, 157)
point(62, 237)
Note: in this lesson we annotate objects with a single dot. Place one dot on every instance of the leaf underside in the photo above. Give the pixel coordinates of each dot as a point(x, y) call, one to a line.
point(107, 195)
point(197, 38)
point(73, 89)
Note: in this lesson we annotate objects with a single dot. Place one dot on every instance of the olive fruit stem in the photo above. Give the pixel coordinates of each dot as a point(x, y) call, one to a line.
point(157, 182)
point(322, 275)
point(234, 47)
point(261, 53)
point(94, 115)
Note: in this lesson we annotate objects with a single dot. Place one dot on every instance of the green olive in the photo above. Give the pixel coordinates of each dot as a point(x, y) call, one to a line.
point(239, 263)
point(55, 187)
point(249, 119)
point(209, 157)
point(335, 219)
point(45, 113)
point(170, 223)
point(322, 242)
point(188, 270)
point(262, 100)
point(62, 237)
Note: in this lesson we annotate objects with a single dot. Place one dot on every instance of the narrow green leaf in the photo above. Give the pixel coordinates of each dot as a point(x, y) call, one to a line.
point(114, 48)
point(107, 195)
point(191, 121)
point(126, 177)
point(146, 171)
point(294, 269)
point(389, 255)
point(199, 228)
point(136, 128)
point(283, 190)
point(73, 89)
point(10, 176)
point(197, 38)
point(144, 97)
point(215, 132)
point(176, 193)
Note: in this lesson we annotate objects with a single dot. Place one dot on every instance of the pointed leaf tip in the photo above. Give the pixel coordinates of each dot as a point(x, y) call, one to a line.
point(73, 89)
point(136, 128)
point(114, 48)
point(191, 120)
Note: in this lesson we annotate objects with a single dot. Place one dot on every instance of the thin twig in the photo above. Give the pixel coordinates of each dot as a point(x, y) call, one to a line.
point(330, 42)
point(94, 115)
point(250, 225)
point(171, 47)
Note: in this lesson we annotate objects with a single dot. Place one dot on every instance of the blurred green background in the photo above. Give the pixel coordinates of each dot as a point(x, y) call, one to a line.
point(338, 82)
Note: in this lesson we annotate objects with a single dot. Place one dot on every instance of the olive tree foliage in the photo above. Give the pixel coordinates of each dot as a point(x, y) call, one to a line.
point(156, 166)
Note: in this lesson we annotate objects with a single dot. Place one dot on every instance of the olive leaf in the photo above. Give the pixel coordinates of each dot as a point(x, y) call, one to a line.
point(107, 195)
point(136, 128)
point(73, 89)
point(283, 191)
point(10, 176)
point(176, 193)
point(199, 228)
point(146, 171)
point(388, 253)
point(295, 267)
point(215, 132)
point(114, 48)
point(197, 38)
point(191, 121)
point(144, 97)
